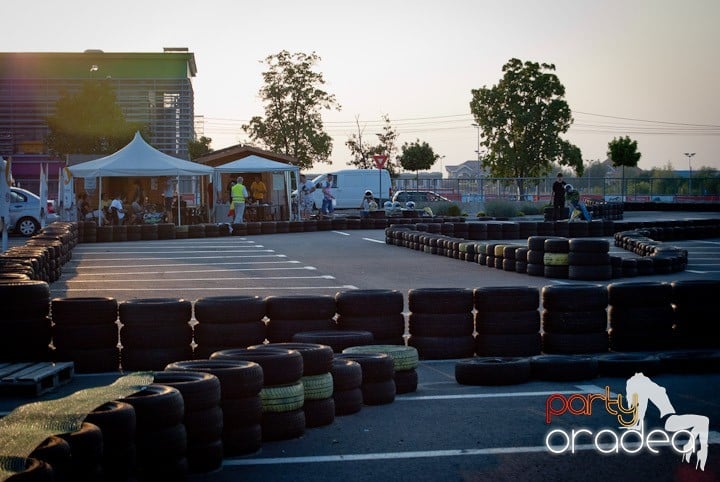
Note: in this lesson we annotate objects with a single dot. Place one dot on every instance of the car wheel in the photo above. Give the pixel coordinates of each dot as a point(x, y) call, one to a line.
point(27, 226)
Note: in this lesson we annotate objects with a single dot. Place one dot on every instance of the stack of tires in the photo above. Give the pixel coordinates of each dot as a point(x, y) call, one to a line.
point(477, 231)
point(574, 319)
point(149, 232)
point(282, 394)
point(521, 260)
point(25, 323)
point(293, 314)
point(509, 263)
point(239, 229)
point(196, 231)
point(118, 424)
point(695, 311)
point(86, 453)
point(441, 322)
point(536, 255)
point(378, 372)
point(104, 233)
point(203, 417)
point(240, 385)
point(89, 232)
point(555, 259)
point(154, 332)
point(119, 233)
point(319, 406)
point(228, 322)
point(347, 380)
point(85, 331)
point(493, 371)
point(405, 362)
point(166, 231)
point(589, 259)
point(378, 311)
point(337, 340)
point(641, 316)
point(134, 232)
point(507, 321)
point(161, 438)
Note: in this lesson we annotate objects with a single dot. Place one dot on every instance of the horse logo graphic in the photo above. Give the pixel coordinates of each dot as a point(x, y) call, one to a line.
point(640, 390)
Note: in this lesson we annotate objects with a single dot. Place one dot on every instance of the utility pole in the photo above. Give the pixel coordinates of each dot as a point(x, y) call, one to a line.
point(689, 156)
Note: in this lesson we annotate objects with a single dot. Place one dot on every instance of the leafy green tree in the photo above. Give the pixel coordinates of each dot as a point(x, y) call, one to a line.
point(622, 151)
point(89, 122)
point(521, 119)
point(417, 157)
point(294, 98)
point(199, 147)
point(362, 151)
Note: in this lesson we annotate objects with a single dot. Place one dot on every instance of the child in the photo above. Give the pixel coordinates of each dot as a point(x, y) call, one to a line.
point(578, 206)
point(367, 204)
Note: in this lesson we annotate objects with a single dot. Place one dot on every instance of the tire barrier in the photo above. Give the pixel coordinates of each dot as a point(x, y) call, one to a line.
point(695, 322)
point(430, 333)
point(282, 394)
point(507, 321)
point(240, 385)
point(589, 259)
point(625, 365)
point(378, 311)
point(25, 322)
point(574, 320)
point(405, 361)
point(86, 449)
point(85, 331)
point(319, 406)
point(347, 380)
point(563, 368)
point(493, 371)
point(118, 424)
point(641, 316)
point(55, 452)
point(161, 437)
point(154, 332)
point(338, 340)
point(203, 416)
point(293, 314)
point(228, 322)
point(378, 384)
point(555, 258)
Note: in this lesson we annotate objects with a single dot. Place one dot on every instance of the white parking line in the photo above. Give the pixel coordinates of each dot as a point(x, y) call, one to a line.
point(82, 268)
point(340, 232)
point(373, 240)
point(200, 270)
point(234, 288)
point(160, 280)
point(224, 256)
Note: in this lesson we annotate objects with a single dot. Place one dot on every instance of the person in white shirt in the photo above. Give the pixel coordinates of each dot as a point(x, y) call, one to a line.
point(116, 206)
point(306, 201)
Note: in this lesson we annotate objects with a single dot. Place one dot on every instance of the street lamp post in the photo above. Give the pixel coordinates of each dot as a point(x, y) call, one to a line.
point(689, 156)
point(477, 151)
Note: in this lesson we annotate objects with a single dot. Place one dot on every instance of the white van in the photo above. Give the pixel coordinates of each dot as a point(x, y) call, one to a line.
point(349, 187)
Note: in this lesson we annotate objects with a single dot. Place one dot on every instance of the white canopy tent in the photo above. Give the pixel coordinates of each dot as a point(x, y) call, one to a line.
point(257, 164)
point(138, 159)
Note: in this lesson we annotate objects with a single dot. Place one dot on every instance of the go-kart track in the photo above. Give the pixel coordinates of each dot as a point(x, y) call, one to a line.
point(444, 430)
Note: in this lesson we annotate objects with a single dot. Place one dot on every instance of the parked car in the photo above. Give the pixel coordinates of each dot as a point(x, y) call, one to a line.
point(25, 211)
point(418, 196)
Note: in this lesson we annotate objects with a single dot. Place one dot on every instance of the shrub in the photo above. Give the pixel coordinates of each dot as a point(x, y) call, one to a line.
point(454, 210)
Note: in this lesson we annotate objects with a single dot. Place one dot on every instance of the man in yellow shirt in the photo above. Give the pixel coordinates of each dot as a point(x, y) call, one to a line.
point(258, 190)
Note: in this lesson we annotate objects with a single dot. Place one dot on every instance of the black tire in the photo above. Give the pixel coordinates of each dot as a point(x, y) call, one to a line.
point(365, 303)
point(443, 348)
point(381, 326)
point(508, 345)
point(537, 243)
point(574, 321)
point(242, 440)
point(348, 402)
point(300, 307)
point(643, 319)
point(283, 425)
point(134, 359)
point(575, 343)
point(338, 340)
point(56, 452)
point(204, 426)
point(347, 374)
point(508, 322)
point(632, 341)
point(440, 300)
point(639, 293)
point(590, 273)
point(118, 423)
point(24, 299)
point(206, 457)
point(577, 245)
point(90, 360)
point(230, 335)
point(84, 311)
point(406, 381)
point(86, 447)
point(73, 337)
point(574, 297)
point(506, 298)
point(317, 358)
point(563, 367)
point(283, 330)
point(279, 366)
point(241, 412)
point(155, 311)
point(319, 413)
point(694, 292)
point(378, 393)
point(625, 365)
point(588, 259)
point(557, 272)
point(200, 390)
point(694, 361)
point(451, 324)
point(35, 471)
point(376, 367)
point(556, 245)
point(492, 371)
point(157, 406)
point(156, 336)
point(229, 309)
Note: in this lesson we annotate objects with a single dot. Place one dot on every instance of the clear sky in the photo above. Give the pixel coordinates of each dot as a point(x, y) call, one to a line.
point(649, 69)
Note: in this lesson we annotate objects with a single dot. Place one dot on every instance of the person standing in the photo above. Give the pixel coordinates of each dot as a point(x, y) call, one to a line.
point(239, 195)
point(327, 204)
point(259, 190)
point(306, 200)
point(169, 195)
point(558, 193)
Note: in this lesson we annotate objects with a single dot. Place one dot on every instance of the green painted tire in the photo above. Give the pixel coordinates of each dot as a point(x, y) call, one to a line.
point(318, 387)
point(404, 357)
point(282, 398)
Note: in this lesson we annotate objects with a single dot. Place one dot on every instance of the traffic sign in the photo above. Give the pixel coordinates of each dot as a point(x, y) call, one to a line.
point(380, 160)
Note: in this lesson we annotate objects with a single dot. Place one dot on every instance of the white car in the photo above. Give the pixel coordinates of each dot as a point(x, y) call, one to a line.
point(25, 211)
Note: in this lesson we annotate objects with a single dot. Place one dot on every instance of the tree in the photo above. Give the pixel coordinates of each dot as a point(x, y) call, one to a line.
point(416, 157)
point(199, 147)
point(362, 152)
point(623, 152)
point(521, 119)
point(89, 122)
point(294, 99)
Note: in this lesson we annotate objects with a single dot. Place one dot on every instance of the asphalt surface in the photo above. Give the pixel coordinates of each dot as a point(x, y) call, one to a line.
point(443, 431)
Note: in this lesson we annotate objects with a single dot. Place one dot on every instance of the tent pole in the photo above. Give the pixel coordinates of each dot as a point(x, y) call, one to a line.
point(100, 218)
point(177, 192)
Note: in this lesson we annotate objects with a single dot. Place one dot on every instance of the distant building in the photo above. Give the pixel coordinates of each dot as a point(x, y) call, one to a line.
point(466, 170)
point(152, 88)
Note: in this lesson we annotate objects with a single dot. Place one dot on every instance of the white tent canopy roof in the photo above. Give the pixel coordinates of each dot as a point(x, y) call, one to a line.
point(255, 164)
point(138, 158)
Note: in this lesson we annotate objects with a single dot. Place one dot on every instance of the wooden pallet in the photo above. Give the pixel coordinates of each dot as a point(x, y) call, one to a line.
point(34, 378)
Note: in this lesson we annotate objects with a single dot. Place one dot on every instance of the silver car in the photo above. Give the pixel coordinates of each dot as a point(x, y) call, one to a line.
point(25, 211)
